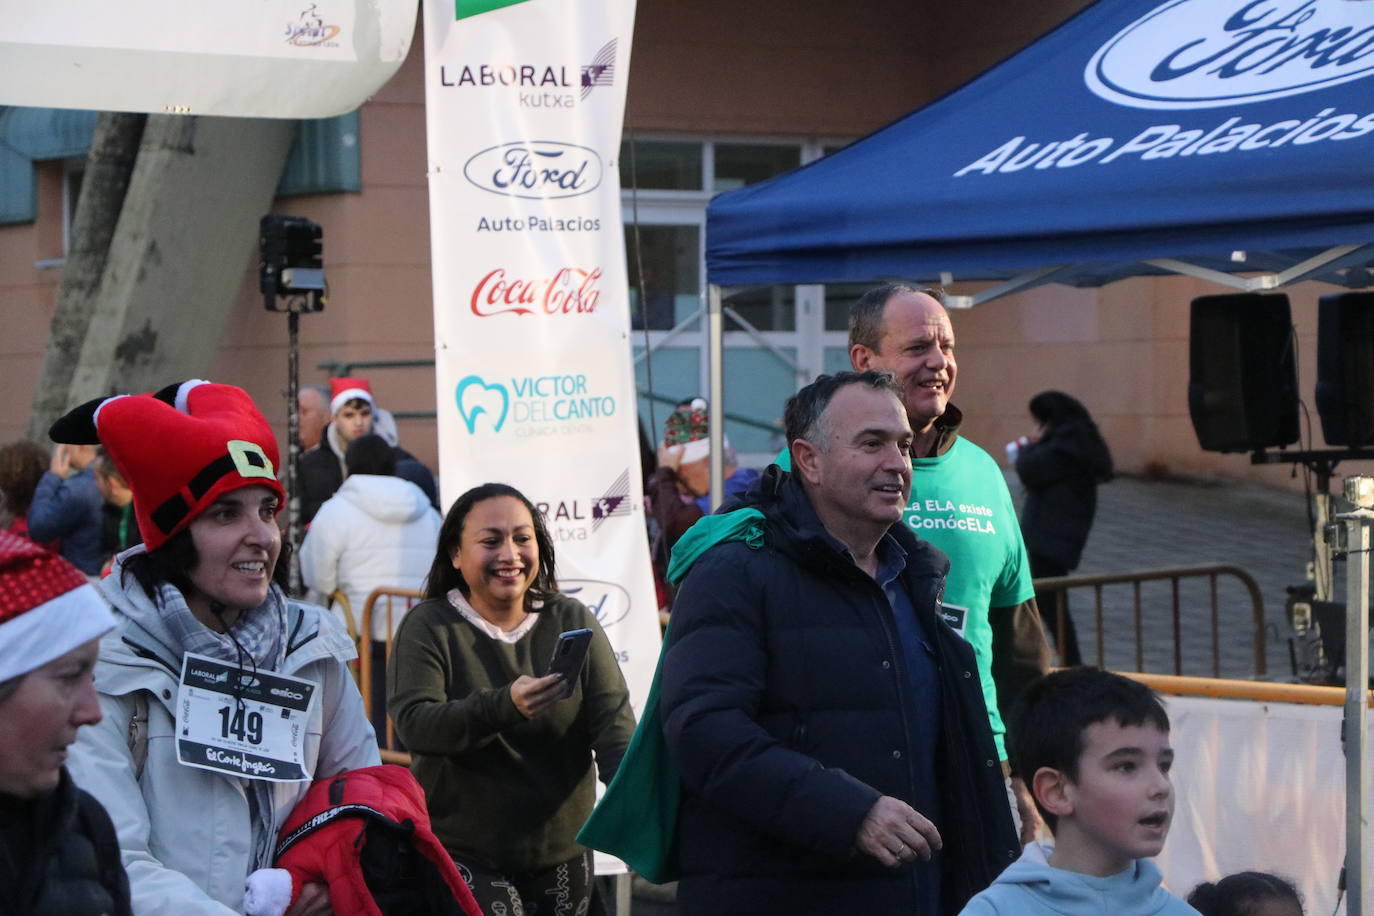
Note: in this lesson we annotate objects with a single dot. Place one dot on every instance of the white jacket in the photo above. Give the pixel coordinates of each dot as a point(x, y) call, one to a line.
point(374, 531)
point(183, 832)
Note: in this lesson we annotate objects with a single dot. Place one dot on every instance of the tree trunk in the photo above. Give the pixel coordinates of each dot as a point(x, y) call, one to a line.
point(154, 270)
point(114, 149)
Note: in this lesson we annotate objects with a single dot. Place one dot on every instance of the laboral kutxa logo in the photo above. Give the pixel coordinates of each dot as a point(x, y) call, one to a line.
point(553, 81)
point(533, 404)
point(574, 518)
point(535, 169)
point(566, 291)
point(1211, 53)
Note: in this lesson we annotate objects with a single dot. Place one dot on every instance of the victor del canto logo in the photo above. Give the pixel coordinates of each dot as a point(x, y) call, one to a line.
point(1211, 53)
point(533, 405)
point(535, 169)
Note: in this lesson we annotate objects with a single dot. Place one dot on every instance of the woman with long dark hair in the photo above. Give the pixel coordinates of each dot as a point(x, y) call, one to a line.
point(222, 698)
point(503, 748)
point(1060, 464)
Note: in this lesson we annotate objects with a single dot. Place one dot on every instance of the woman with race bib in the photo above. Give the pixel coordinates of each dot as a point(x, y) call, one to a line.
point(222, 698)
point(502, 747)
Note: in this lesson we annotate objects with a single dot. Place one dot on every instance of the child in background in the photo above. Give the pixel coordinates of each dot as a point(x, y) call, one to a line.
point(1248, 893)
point(1094, 748)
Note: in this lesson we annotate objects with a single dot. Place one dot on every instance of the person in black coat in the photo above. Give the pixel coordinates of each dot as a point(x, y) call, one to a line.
point(829, 726)
point(58, 851)
point(1060, 465)
point(353, 415)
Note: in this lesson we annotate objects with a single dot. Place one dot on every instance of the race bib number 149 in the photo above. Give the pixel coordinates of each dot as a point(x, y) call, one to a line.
point(246, 723)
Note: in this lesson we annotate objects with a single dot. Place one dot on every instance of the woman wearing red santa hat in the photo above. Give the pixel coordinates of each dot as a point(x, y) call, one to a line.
point(57, 847)
point(222, 698)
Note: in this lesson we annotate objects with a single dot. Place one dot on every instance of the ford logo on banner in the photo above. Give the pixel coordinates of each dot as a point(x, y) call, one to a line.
point(535, 169)
point(1212, 53)
point(608, 601)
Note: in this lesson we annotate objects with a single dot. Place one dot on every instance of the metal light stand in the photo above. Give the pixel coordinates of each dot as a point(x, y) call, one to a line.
point(293, 445)
point(292, 270)
point(1359, 885)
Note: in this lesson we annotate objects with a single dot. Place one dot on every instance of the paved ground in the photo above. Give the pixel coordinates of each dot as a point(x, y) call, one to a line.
point(1150, 524)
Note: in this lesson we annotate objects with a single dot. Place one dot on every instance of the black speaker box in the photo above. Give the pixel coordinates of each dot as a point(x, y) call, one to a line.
point(1345, 368)
point(1242, 375)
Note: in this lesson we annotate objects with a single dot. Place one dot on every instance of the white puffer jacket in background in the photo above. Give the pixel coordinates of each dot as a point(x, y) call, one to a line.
point(375, 531)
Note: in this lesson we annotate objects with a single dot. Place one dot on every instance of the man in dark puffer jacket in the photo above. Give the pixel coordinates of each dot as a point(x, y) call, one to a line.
point(830, 729)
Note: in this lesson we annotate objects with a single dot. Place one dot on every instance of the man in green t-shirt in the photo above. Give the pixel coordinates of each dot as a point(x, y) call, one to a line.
point(959, 502)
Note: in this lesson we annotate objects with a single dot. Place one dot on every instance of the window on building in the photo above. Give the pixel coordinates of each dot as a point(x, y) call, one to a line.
point(776, 338)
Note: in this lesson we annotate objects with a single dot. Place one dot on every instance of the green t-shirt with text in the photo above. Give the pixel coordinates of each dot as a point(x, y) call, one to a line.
point(960, 503)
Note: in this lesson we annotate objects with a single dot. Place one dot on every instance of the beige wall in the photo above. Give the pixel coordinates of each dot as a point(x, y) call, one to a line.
point(27, 297)
point(1123, 351)
point(769, 66)
point(377, 258)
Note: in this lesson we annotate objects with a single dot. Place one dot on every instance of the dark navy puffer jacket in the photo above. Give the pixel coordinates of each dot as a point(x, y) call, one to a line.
point(783, 705)
point(60, 855)
point(1061, 473)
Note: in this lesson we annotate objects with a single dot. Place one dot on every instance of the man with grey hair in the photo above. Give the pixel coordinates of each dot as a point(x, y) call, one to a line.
point(832, 739)
point(960, 503)
point(313, 401)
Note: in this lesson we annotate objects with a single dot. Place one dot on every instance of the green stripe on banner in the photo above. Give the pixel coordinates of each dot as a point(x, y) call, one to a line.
point(462, 9)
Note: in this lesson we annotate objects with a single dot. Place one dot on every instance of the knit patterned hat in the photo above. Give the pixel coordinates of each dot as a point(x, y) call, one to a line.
point(689, 427)
point(343, 390)
point(47, 608)
point(179, 449)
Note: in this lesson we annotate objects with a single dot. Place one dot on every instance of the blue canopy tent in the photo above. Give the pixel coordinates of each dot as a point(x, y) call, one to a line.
point(1230, 140)
point(1197, 136)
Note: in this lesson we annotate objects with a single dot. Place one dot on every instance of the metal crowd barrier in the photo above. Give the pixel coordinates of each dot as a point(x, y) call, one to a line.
point(382, 601)
point(1257, 691)
point(1061, 584)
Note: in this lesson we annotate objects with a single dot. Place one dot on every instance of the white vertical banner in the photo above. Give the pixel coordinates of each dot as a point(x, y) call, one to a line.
point(524, 101)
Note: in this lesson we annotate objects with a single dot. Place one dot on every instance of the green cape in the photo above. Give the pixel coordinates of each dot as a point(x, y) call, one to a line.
point(636, 820)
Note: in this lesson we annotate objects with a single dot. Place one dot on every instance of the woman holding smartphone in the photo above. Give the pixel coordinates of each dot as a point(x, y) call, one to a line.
point(503, 748)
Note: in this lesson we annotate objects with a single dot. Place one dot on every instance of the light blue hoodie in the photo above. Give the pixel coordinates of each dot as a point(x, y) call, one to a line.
point(1032, 886)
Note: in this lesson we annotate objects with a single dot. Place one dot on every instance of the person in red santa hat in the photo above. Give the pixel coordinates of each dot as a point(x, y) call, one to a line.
point(57, 847)
point(222, 698)
point(353, 414)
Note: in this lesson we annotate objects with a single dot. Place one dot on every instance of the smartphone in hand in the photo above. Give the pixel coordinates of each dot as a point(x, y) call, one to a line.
point(569, 655)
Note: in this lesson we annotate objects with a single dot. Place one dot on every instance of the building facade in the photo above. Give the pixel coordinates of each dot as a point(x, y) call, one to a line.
point(720, 95)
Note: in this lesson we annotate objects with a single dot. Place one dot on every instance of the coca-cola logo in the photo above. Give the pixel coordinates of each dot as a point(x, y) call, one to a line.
point(535, 169)
point(570, 291)
point(1208, 54)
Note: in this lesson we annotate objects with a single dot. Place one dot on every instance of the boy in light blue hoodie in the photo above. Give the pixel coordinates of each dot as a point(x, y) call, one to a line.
point(1094, 748)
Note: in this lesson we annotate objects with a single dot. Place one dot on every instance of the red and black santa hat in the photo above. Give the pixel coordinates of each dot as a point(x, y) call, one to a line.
point(47, 608)
point(180, 449)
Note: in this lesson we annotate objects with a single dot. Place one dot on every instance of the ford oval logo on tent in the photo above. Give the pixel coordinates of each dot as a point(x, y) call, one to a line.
point(1211, 53)
point(535, 169)
point(608, 601)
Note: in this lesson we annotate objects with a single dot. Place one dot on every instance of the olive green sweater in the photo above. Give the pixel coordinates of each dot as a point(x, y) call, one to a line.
point(505, 792)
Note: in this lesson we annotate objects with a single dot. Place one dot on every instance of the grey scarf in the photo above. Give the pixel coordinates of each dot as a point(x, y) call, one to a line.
point(261, 634)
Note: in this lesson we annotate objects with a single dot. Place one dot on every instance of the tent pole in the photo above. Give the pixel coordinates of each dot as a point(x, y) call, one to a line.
point(1359, 893)
point(715, 327)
